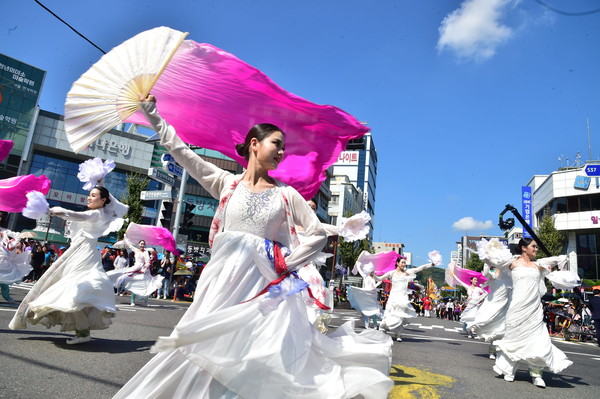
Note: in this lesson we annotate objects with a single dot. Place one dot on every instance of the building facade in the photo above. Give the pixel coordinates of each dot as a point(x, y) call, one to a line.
point(573, 200)
point(346, 199)
point(359, 163)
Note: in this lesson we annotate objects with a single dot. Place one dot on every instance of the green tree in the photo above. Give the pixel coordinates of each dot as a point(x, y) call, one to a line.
point(550, 237)
point(349, 251)
point(136, 183)
point(474, 263)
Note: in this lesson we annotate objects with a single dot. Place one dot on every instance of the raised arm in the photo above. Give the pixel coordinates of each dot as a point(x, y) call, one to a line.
point(91, 215)
point(330, 229)
point(211, 177)
point(419, 269)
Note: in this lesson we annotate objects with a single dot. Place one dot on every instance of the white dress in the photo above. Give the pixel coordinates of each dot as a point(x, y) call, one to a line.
point(136, 279)
point(398, 306)
point(489, 322)
point(13, 266)
point(475, 296)
point(232, 344)
point(74, 292)
point(365, 299)
point(526, 338)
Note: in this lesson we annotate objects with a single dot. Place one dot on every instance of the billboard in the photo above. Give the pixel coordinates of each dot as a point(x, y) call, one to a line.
point(20, 86)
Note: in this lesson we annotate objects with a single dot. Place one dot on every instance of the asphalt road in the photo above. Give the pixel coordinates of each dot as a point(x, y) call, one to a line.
point(435, 360)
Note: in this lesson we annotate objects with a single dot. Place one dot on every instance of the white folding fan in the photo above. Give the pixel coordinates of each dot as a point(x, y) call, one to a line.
point(110, 90)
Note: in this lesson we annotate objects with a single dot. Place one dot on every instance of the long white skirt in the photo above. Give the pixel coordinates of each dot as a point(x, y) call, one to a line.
point(397, 309)
point(74, 293)
point(13, 266)
point(489, 322)
point(365, 301)
point(136, 282)
point(470, 312)
point(229, 345)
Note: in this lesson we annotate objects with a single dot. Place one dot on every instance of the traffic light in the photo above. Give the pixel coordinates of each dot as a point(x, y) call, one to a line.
point(188, 216)
point(166, 213)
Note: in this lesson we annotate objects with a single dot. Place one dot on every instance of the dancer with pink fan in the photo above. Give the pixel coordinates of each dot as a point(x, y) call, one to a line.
point(14, 262)
point(398, 307)
point(247, 332)
point(75, 292)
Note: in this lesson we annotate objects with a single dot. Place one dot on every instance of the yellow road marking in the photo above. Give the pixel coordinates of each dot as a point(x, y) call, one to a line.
point(411, 382)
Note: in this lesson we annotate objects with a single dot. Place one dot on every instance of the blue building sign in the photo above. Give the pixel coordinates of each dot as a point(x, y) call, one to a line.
point(526, 208)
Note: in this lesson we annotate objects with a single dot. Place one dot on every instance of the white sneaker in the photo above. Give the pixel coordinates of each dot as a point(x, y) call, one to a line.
point(132, 304)
point(539, 382)
point(81, 340)
point(398, 339)
point(492, 356)
point(509, 378)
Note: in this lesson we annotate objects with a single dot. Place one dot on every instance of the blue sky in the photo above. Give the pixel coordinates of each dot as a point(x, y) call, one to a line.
point(466, 99)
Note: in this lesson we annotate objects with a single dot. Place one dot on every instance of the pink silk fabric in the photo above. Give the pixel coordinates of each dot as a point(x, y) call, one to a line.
point(5, 147)
point(13, 191)
point(382, 261)
point(153, 235)
point(465, 275)
point(212, 99)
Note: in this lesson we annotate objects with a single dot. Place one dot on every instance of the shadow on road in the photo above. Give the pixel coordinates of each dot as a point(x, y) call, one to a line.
point(96, 345)
point(52, 366)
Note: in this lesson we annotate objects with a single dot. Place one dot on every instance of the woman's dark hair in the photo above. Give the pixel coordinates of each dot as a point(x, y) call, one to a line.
point(104, 194)
point(523, 242)
point(258, 132)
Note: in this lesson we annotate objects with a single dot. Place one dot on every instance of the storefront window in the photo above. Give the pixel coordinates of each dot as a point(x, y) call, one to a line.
point(587, 256)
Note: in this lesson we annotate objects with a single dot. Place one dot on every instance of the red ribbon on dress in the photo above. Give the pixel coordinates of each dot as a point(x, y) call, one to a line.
point(282, 270)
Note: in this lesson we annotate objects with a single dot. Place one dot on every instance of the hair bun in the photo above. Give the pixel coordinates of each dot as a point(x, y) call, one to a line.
point(241, 149)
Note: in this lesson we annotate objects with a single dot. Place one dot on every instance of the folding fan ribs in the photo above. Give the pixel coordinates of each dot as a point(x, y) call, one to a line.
point(212, 99)
point(109, 92)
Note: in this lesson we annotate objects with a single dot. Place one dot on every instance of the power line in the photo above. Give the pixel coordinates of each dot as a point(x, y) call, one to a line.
point(64, 22)
point(570, 14)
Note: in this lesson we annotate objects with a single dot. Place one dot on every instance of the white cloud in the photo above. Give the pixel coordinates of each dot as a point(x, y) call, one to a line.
point(469, 224)
point(474, 31)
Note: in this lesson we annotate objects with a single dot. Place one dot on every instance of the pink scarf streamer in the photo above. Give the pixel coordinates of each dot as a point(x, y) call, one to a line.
point(153, 235)
point(5, 147)
point(382, 261)
point(212, 99)
point(465, 275)
point(13, 191)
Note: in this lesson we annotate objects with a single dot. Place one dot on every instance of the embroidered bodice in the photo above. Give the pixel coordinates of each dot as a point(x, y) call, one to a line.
point(261, 214)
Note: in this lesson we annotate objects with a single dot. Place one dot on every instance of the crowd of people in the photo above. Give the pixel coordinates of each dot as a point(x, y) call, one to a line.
point(179, 286)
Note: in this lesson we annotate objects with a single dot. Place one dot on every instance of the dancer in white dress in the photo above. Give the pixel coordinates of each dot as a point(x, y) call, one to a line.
point(489, 322)
point(14, 262)
point(365, 299)
point(136, 279)
point(399, 307)
point(234, 341)
point(526, 339)
point(475, 297)
point(75, 292)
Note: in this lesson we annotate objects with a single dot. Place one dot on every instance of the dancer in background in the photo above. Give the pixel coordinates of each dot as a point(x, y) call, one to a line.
point(365, 299)
point(475, 296)
point(136, 279)
point(398, 307)
point(75, 292)
point(489, 321)
point(526, 338)
point(247, 332)
point(14, 262)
